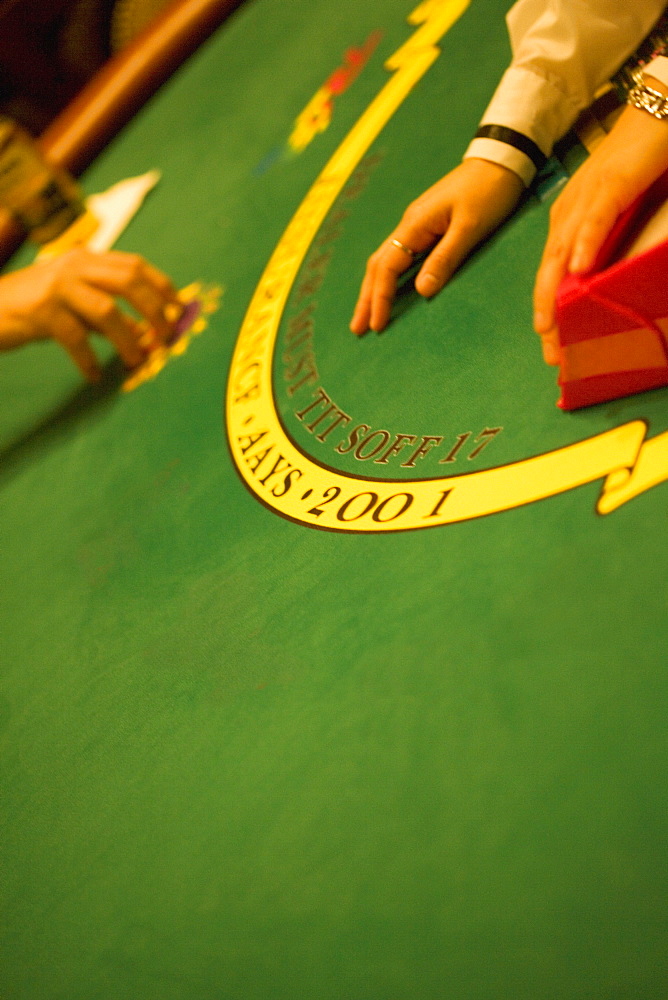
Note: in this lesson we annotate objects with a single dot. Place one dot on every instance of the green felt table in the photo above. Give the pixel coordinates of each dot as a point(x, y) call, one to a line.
point(418, 754)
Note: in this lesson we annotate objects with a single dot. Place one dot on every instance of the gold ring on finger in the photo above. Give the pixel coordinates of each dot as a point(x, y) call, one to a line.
point(402, 246)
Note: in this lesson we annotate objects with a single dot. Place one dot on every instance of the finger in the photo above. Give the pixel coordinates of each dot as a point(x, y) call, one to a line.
point(141, 284)
point(150, 292)
point(160, 280)
point(152, 306)
point(72, 335)
point(359, 323)
point(445, 258)
point(552, 269)
point(117, 266)
point(391, 262)
point(100, 313)
point(591, 235)
point(550, 346)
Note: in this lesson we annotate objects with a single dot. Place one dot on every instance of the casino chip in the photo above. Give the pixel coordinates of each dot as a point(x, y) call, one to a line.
point(199, 302)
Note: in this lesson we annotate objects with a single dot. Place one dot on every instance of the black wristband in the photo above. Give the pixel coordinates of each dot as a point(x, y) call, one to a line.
point(513, 138)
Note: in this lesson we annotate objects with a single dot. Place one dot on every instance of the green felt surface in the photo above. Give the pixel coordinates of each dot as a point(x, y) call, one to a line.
point(243, 759)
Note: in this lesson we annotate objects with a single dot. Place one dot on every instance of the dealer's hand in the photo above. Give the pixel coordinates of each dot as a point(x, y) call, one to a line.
point(452, 217)
point(67, 297)
point(626, 162)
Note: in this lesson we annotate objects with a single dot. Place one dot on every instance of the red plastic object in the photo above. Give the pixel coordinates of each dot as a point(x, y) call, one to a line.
point(613, 320)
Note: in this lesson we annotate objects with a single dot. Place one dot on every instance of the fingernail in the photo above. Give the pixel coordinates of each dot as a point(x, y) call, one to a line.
point(428, 285)
point(550, 353)
point(579, 262)
point(356, 324)
point(541, 322)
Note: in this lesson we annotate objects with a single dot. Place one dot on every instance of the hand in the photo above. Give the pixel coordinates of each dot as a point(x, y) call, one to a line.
point(452, 217)
point(625, 164)
point(68, 297)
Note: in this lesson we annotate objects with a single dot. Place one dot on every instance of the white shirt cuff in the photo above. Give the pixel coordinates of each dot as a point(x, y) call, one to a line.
point(505, 155)
point(533, 105)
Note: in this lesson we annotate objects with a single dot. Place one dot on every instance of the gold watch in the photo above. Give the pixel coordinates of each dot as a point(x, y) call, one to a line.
point(647, 98)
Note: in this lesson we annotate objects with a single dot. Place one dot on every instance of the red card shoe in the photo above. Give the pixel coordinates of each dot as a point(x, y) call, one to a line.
point(613, 320)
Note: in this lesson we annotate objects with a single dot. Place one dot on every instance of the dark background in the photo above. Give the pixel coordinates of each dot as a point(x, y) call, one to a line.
point(50, 48)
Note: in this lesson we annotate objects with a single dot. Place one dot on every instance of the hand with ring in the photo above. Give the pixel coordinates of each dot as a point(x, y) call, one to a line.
point(449, 220)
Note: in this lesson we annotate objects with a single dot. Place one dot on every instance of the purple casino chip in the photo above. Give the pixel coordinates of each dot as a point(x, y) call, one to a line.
point(190, 313)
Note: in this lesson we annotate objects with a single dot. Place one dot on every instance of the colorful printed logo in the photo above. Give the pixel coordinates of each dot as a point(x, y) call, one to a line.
point(317, 115)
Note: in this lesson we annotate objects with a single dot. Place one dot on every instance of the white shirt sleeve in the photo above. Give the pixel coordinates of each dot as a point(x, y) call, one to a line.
point(563, 50)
